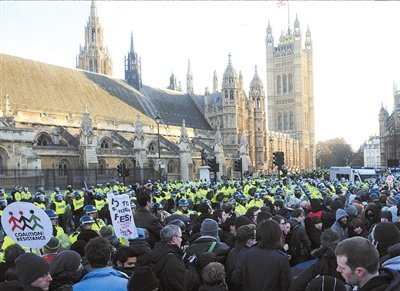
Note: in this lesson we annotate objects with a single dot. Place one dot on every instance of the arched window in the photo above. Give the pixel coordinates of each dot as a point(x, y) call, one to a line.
point(279, 121)
point(106, 143)
point(285, 121)
point(278, 85)
point(226, 93)
point(44, 139)
point(291, 120)
point(152, 146)
point(284, 84)
point(170, 168)
point(232, 95)
point(63, 166)
point(290, 81)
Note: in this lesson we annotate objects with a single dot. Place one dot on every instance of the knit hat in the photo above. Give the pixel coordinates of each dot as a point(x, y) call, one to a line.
point(242, 220)
point(386, 214)
point(53, 246)
point(30, 267)
point(384, 235)
point(143, 279)
point(209, 227)
point(390, 201)
point(105, 231)
point(351, 210)
point(66, 260)
point(326, 283)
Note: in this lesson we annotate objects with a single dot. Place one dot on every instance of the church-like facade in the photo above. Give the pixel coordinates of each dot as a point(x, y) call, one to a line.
point(59, 120)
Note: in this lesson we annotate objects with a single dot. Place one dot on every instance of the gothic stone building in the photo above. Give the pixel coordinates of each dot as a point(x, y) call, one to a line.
point(54, 118)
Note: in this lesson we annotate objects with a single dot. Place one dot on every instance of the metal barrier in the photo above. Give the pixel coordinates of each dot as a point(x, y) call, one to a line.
point(77, 178)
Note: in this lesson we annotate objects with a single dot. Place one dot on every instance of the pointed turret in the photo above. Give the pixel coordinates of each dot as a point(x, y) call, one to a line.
point(172, 82)
point(133, 71)
point(189, 80)
point(270, 38)
point(297, 33)
point(93, 10)
point(308, 43)
point(215, 82)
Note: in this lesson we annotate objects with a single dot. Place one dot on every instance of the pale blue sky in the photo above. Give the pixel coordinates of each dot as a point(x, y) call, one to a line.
point(356, 46)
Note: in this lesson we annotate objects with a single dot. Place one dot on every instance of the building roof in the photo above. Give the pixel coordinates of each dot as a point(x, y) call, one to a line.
point(37, 86)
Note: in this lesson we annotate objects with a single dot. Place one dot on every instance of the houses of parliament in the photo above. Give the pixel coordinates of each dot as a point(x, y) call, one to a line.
point(63, 119)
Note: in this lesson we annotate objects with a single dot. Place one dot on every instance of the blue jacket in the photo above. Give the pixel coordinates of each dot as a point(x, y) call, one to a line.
point(100, 279)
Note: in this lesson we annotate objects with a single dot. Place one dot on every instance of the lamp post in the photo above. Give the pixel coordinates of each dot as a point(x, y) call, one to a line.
point(158, 121)
point(271, 140)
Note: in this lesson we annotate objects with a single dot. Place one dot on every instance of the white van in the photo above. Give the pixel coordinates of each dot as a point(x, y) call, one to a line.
point(352, 174)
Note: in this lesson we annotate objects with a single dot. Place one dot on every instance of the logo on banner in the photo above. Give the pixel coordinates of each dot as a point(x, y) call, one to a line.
point(27, 224)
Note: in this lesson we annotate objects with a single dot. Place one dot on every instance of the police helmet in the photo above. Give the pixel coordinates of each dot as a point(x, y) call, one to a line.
point(89, 209)
point(39, 198)
point(3, 203)
point(59, 198)
point(77, 195)
point(86, 219)
point(51, 213)
point(57, 189)
point(158, 206)
point(183, 202)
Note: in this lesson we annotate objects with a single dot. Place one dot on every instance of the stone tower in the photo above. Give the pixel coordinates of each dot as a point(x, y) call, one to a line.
point(257, 95)
point(94, 56)
point(133, 70)
point(290, 91)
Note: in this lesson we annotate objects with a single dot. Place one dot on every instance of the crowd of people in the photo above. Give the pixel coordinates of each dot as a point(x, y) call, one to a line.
point(300, 232)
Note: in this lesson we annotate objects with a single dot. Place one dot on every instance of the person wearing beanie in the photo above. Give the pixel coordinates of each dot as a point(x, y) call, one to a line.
point(386, 216)
point(208, 242)
point(325, 265)
point(326, 283)
point(384, 235)
point(33, 272)
point(340, 225)
point(371, 216)
point(66, 270)
point(51, 249)
point(389, 201)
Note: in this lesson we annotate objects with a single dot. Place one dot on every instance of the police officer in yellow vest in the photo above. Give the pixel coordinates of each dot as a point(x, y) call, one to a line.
point(16, 194)
point(26, 195)
point(92, 212)
point(40, 201)
point(3, 204)
point(86, 223)
point(58, 231)
point(59, 206)
point(78, 202)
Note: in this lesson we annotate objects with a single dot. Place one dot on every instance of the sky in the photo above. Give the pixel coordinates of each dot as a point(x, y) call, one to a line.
point(356, 47)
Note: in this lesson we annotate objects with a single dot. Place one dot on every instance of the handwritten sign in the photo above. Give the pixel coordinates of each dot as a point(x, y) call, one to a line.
point(122, 216)
point(27, 224)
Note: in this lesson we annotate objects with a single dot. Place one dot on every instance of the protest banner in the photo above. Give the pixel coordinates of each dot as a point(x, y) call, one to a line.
point(27, 224)
point(122, 216)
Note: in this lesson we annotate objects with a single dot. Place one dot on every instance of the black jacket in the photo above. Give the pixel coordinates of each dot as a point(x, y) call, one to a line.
point(300, 245)
point(203, 243)
point(63, 281)
point(230, 265)
point(145, 219)
point(388, 280)
point(262, 270)
point(169, 268)
point(325, 265)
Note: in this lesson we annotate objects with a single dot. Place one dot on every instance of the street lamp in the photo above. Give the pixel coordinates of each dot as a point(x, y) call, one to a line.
point(271, 140)
point(158, 121)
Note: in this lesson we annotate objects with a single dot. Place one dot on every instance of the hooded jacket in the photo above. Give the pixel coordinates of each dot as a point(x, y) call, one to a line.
point(387, 280)
point(342, 232)
point(392, 259)
point(108, 278)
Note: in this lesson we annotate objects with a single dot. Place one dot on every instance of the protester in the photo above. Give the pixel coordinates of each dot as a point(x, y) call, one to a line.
point(125, 259)
point(300, 245)
point(326, 283)
point(65, 270)
point(213, 278)
point(7, 268)
point(101, 277)
point(51, 249)
point(340, 225)
point(265, 258)
point(167, 262)
point(33, 272)
point(358, 262)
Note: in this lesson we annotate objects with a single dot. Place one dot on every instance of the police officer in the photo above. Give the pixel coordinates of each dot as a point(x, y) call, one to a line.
point(59, 206)
point(78, 202)
point(92, 212)
point(86, 223)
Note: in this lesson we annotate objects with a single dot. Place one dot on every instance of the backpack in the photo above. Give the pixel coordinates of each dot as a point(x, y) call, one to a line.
point(199, 261)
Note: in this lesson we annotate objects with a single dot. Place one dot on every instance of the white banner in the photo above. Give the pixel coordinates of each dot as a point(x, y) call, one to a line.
point(122, 216)
point(27, 224)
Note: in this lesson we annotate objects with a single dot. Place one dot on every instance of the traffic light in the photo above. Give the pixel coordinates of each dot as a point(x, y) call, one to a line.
point(237, 165)
point(281, 159)
point(275, 158)
point(119, 169)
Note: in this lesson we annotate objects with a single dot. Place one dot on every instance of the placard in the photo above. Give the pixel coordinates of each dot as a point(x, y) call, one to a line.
point(26, 224)
point(122, 216)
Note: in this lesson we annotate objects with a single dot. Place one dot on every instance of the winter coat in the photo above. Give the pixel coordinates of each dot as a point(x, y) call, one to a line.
point(336, 227)
point(206, 287)
point(100, 279)
point(203, 243)
point(300, 245)
point(392, 259)
point(325, 265)
point(260, 269)
point(388, 280)
point(63, 281)
point(169, 268)
point(230, 264)
point(145, 219)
